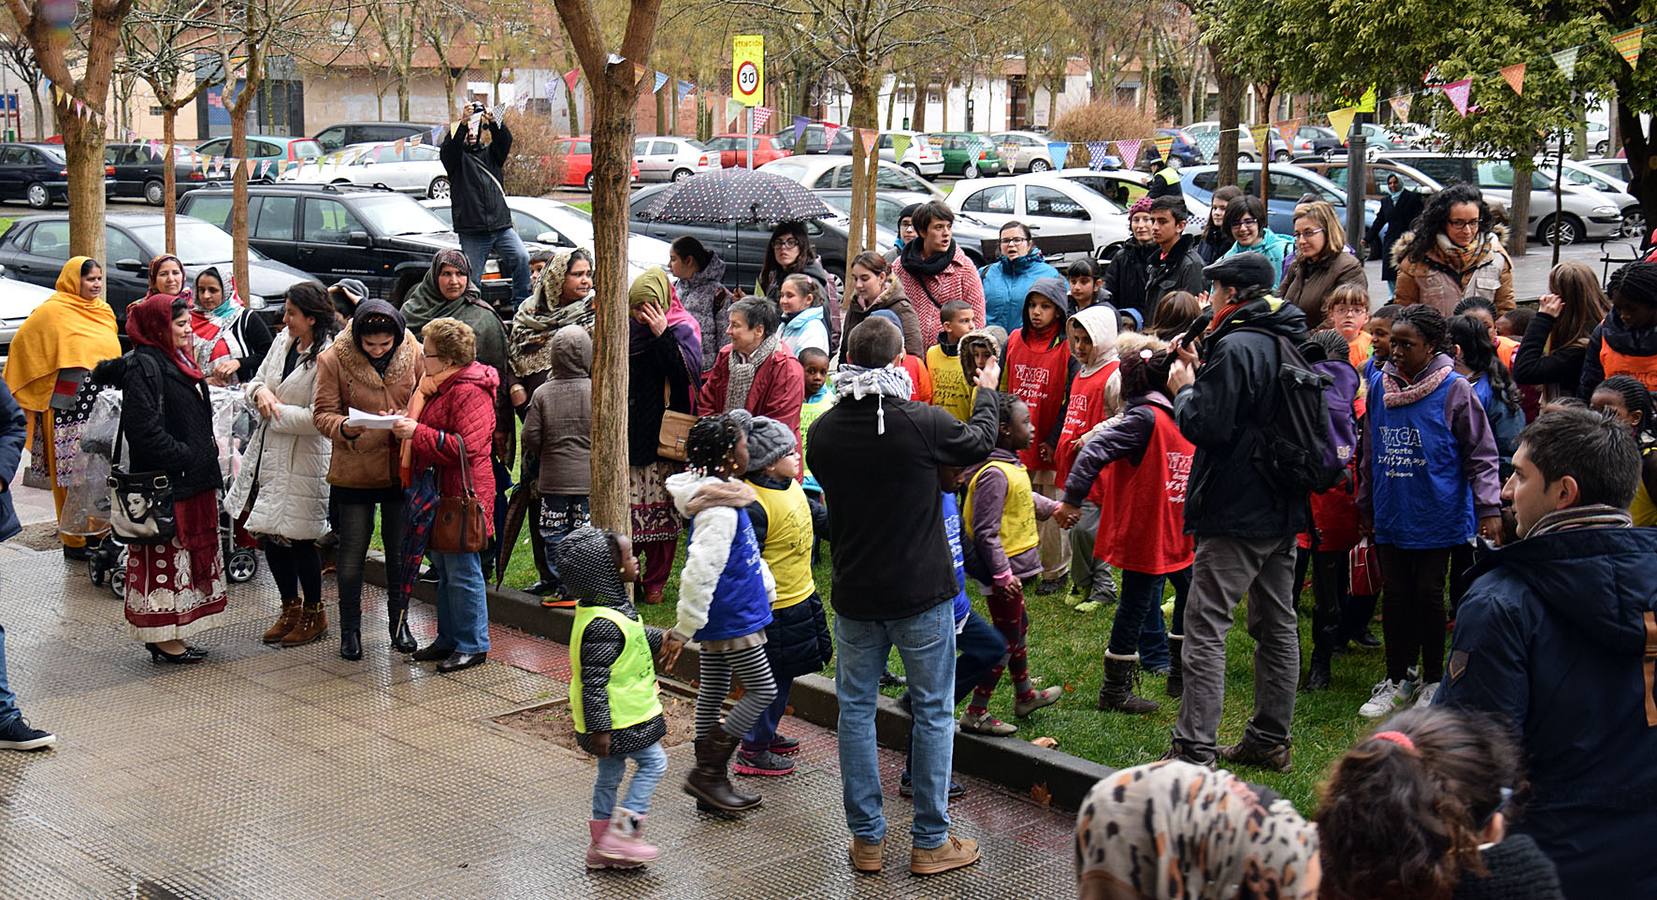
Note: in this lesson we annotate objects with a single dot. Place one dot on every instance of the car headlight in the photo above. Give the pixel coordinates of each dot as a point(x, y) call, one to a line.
point(1607, 211)
point(254, 301)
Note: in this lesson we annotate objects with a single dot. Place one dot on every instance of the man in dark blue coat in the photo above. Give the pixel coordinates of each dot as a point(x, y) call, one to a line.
point(15, 734)
point(1558, 634)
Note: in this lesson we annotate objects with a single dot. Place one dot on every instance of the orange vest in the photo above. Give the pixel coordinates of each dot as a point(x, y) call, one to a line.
point(1615, 363)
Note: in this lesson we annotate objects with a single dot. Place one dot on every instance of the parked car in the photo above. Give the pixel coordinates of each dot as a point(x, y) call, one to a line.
point(18, 299)
point(544, 224)
point(1124, 186)
point(264, 148)
point(1376, 173)
point(1615, 168)
point(1376, 138)
point(978, 239)
point(1318, 140)
point(415, 169)
point(969, 155)
point(1184, 151)
point(1068, 219)
point(1288, 184)
point(1025, 151)
point(815, 140)
point(673, 158)
point(1583, 175)
point(1207, 135)
point(577, 155)
point(38, 174)
point(920, 157)
point(1599, 137)
point(743, 247)
point(35, 248)
point(344, 135)
point(140, 173)
point(382, 238)
point(824, 171)
point(1587, 215)
point(733, 149)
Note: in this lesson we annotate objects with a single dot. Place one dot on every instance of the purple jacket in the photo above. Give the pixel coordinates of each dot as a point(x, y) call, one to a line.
point(988, 501)
point(1339, 396)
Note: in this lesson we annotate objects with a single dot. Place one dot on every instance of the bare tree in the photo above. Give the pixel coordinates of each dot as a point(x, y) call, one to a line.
point(441, 27)
point(18, 56)
point(396, 24)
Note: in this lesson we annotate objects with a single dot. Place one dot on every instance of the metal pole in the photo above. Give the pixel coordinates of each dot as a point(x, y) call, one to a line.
point(1356, 178)
point(1558, 191)
point(751, 139)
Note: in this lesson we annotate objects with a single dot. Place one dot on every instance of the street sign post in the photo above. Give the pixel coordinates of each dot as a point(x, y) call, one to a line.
point(748, 79)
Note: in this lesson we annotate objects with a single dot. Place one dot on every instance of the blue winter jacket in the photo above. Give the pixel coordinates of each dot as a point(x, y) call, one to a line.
point(1558, 635)
point(725, 588)
point(1006, 284)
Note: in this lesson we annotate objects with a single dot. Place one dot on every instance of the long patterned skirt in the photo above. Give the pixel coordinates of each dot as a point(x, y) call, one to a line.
point(653, 515)
point(55, 451)
point(177, 589)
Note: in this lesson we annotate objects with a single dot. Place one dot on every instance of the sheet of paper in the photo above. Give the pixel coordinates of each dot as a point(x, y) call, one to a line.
point(356, 418)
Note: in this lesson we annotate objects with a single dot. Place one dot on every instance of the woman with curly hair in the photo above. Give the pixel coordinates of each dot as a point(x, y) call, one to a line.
point(1454, 250)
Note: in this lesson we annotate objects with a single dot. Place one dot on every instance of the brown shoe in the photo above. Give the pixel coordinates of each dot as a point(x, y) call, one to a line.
point(866, 856)
point(313, 624)
point(1252, 752)
point(290, 618)
point(953, 853)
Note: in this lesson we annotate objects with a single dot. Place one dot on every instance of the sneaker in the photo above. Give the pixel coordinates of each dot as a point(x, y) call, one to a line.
point(1424, 698)
point(984, 723)
point(761, 763)
point(1043, 697)
point(1250, 752)
point(1048, 588)
point(906, 788)
point(1368, 640)
point(953, 853)
point(1386, 696)
point(784, 746)
point(17, 735)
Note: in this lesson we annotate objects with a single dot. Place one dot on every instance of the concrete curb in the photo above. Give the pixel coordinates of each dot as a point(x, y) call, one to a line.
point(1015, 764)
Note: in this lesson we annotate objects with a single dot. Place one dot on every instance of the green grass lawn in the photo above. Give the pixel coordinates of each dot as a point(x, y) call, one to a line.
point(585, 206)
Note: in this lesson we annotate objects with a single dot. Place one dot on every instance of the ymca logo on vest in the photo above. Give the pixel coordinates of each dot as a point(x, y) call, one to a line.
point(1179, 471)
point(1400, 450)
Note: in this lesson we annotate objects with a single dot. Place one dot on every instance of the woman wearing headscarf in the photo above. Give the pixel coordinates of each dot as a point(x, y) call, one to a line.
point(701, 274)
point(54, 349)
point(176, 589)
point(231, 342)
point(664, 363)
point(167, 277)
point(563, 296)
point(790, 253)
point(373, 366)
point(1173, 829)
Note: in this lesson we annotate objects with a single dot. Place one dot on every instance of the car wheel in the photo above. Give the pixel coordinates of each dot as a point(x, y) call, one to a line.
point(588, 182)
point(681, 174)
point(1281, 156)
point(1565, 232)
point(155, 193)
point(968, 170)
point(1040, 165)
point(1633, 223)
point(912, 169)
point(1244, 156)
point(1601, 147)
point(39, 197)
point(439, 189)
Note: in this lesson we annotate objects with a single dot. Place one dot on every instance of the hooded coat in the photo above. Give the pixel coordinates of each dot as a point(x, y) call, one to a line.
point(1023, 372)
point(1557, 634)
point(1442, 281)
point(1090, 402)
point(558, 429)
point(891, 298)
point(288, 458)
point(706, 297)
point(1626, 350)
point(476, 182)
point(813, 267)
point(725, 589)
point(1006, 284)
point(803, 329)
point(346, 379)
point(426, 302)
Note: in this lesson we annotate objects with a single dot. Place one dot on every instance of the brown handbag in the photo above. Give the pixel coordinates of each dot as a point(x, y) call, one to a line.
point(675, 430)
point(460, 525)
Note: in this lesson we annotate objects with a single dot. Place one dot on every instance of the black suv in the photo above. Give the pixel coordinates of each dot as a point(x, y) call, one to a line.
point(383, 238)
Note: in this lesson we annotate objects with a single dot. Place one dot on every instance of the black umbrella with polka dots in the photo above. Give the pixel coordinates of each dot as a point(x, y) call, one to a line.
point(735, 196)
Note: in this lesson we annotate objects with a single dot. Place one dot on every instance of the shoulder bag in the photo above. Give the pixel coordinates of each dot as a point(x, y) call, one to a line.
point(460, 525)
point(141, 503)
point(675, 430)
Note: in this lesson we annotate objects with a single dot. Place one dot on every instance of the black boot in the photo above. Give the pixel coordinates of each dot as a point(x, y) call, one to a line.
point(709, 782)
point(1117, 692)
point(402, 639)
point(350, 644)
point(1176, 665)
point(1317, 677)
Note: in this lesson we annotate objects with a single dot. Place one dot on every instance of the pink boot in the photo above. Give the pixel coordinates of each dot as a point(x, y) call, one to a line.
point(597, 828)
point(627, 832)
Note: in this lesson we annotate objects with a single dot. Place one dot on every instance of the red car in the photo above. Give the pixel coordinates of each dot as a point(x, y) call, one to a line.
point(577, 153)
point(733, 149)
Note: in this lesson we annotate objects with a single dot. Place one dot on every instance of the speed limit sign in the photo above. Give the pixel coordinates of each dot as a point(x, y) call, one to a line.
point(748, 69)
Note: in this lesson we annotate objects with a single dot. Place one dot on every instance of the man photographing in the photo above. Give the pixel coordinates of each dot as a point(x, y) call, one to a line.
point(478, 197)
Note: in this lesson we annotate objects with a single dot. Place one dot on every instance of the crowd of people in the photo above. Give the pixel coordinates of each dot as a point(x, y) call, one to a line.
point(1218, 411)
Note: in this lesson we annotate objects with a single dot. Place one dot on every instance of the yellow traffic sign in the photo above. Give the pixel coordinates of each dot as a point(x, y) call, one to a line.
point(748, 69)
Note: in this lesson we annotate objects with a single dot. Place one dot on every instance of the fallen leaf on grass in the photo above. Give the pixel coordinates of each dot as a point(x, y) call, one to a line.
point(1046, 743)
point(1040, 794)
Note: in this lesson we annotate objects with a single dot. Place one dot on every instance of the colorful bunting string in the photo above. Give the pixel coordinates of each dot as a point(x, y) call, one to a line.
point(1458, 92)
point(1514, 75)
point(1566, 61)
point(1628, 44)
point(661, 81)
point(762, 115)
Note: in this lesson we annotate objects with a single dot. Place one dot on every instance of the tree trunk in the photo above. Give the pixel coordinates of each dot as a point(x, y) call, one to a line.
point(40, 114)
point(169, 177)
point(1231, 115)
point(83, 145)
point(238, 149)
point(1519, 210)
point(1643, 183)
point(891, 105)
point(865, 109)
point(403, 97)
point(923, 86)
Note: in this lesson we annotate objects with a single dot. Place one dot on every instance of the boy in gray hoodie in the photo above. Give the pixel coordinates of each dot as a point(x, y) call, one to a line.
point(558, 450)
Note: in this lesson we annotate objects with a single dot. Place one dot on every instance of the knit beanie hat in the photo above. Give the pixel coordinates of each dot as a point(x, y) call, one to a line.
point(1142, 205)
point(768, 441)
point(889, 316)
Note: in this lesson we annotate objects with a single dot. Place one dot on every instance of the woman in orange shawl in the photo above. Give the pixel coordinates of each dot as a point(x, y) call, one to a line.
point(50, 358)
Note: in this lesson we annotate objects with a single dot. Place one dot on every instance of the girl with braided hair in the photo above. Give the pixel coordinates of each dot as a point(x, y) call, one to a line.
point(725, 596)
point(1430, 483)
point(1626, 398)
point(1625, 343)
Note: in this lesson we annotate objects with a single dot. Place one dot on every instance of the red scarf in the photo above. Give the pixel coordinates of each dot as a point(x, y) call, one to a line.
point(150, 324)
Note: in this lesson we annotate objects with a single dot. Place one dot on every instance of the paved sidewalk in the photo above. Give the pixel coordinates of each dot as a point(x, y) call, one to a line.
point(292, 773)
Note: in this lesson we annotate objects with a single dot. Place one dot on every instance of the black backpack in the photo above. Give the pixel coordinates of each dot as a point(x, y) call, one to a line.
point(1296, 451)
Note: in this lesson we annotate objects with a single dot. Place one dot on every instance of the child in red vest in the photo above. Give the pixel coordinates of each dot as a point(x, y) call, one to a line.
point(1095, 396)
point(1139, 464)
point(1326, 548)
point(1000, 520)
point(1037, 368)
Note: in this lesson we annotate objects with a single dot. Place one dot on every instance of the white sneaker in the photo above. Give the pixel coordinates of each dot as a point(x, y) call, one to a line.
point(1425, 697)
point(1384, 698)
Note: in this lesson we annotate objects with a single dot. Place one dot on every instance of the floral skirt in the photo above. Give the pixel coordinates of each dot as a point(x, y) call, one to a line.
point(177, 589)
point(654, 518)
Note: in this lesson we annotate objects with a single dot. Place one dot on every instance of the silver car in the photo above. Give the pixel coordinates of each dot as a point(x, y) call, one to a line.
point(672, 158)
point(1025, 151)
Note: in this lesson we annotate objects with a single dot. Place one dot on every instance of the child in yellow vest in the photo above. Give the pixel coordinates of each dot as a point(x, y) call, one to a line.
point(1000, 521)
point(613, 699)
point(797, 641)
point(950, 388)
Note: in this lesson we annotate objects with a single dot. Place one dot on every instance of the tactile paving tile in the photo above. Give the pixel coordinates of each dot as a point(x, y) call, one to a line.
point(292, 773)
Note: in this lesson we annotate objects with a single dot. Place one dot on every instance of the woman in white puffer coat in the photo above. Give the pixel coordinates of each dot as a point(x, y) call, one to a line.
point(283, 484)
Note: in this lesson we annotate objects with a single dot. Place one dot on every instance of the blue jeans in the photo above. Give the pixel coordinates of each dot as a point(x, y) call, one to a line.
point(514, 259)
point(926, 642)
point(764, 731)
point(462, 608)
point(650, 764)
point(1152, 637)
point(8, 700)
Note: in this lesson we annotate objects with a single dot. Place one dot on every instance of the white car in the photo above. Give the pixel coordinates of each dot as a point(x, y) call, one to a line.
point(415, 170)
point(550, 225)
point(672, 158)
point(920, 157)
point(1125, 186)
point(17, 300)
point(1207, 136)
point(1025, 151)
point(820, 171)
point(1575, 173)
point(1068, 219)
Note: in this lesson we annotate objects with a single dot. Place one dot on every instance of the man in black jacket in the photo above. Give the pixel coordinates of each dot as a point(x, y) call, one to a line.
point(477, 197)
point(1176, 263)
point(1245, 526)
point(876, 455)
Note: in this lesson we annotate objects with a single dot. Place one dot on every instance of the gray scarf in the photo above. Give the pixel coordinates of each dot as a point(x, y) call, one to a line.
point(1596, 515)
point(857, 382)
point(743, 369)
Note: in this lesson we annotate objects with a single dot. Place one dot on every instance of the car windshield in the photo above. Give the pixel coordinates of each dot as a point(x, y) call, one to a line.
point(394, 214)
point(790, 171)
point(306, 149)
point(199, 243)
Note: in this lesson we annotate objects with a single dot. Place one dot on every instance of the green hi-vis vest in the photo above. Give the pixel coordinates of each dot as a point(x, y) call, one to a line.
point(632, 687)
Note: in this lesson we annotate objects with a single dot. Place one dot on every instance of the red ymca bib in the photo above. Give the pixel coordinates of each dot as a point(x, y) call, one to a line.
point(1036, 376)
point(1087, 409)
point(1144, 528)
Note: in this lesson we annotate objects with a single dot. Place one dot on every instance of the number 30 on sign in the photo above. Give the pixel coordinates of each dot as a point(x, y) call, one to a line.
point(748, 69)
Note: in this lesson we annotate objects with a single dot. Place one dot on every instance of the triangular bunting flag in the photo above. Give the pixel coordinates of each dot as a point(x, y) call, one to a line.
point(868, 137)
point(800, 123)
point(397, 147)
point(1129, 151)
point(684, 89)
point(1458, 92)
point(436, 135)
point(1058, 152)
point(1164, 146)
point(414, 141)
point(264, 168)
point(1097, 153)
point(1287, 130)
point(1262, 138)
point(1566, 61)
point(1627, 45)
point(1514, 75)
point(762, 115)
point(248, 165)
point(1341, 121)
point(570, 78)
point(733, 108)
point(830, 131)
point(661, 81)
point(900, 146)
point(1401, 106)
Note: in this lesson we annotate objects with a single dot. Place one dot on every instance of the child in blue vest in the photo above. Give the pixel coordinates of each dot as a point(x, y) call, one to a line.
point(1428, 484)
point(797, 641)
point(613, 700)
point(725, 597)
